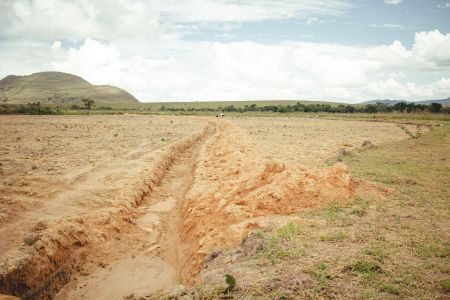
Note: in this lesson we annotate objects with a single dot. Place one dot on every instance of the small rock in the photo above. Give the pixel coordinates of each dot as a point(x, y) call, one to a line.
point(343, 152)
point(368, 144)
point(252, 244)
point(31, 238)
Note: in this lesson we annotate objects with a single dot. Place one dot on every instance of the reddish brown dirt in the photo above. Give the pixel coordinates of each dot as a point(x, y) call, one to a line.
point(42, 247)
point(145, 258)
point(147, 220)
point(240, 190)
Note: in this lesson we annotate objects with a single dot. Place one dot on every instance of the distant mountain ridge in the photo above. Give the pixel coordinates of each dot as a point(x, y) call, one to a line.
point(58, 88)
point(393, 102)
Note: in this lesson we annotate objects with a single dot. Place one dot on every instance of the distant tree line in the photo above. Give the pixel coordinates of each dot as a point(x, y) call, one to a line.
point(34, 108)
point(403, 107)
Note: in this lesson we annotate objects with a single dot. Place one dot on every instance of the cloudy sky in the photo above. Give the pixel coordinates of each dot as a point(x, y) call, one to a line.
point(166, 50)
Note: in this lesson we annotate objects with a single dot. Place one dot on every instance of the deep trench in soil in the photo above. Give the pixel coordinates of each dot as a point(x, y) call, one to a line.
point(148, 258)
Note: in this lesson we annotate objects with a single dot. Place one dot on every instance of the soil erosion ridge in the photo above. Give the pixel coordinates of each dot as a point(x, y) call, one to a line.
point(204, 193)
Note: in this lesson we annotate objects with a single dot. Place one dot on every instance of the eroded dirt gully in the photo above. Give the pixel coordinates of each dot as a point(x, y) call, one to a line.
point(203, 194)
point(147, 257)
point(42, 249)
point(237, 189)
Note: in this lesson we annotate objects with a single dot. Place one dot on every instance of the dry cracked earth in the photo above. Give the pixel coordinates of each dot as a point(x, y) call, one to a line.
point(101, 207)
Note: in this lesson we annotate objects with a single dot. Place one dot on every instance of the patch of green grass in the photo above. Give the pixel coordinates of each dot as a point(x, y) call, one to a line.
point(322, 272)
point(377, 252)
point(275, 250)
point(365, 267)
point(390, 288)
point(358, 211)
point(333, 212)
point(322, 266)
point(445, 284)
point(433, 250)
point(334, 236)
point(359, 207)
point(286, 242)
point(289, 230)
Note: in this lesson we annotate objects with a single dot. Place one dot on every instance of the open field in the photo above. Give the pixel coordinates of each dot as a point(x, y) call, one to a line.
point(106, 207)
point(310, 142)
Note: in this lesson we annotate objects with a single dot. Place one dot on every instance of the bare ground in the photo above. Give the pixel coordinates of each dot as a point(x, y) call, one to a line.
point(104, 199)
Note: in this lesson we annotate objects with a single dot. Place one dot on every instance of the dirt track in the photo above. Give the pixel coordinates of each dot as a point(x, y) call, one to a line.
point(167, 211)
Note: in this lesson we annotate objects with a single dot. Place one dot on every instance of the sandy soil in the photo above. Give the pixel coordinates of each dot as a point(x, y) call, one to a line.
point(310, 142)
point(120, 205)
point(146, 258)
point(44, 156)
point(71, 181)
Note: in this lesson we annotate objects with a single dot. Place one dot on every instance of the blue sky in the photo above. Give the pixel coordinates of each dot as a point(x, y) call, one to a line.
point(167, 50)
point(364, 22)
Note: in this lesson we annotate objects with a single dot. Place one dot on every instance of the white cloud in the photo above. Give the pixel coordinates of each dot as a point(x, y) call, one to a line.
point(246, 10)
point(388, 25)
point(56, 45)
point(141, 46)
point(433, 46)
point(446, 5)
point(393, 89)
point(109, 19)
point(393, 2)
point(249, 70)
point(78, 19)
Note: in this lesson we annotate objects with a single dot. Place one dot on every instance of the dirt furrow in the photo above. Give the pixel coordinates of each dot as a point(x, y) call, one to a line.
point(146, 258)
point(65, 246)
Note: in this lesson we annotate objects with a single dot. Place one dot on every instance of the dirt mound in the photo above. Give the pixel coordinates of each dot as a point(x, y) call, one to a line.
point(237, 189)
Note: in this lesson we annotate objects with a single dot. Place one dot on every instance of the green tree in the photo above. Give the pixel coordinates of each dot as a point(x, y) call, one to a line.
point(88, 103)
point(400, 106)
point(435, 107)
point(411, 107)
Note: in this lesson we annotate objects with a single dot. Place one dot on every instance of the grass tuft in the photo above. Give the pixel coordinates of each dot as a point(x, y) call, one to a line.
point(365, 267)
point(445, 284)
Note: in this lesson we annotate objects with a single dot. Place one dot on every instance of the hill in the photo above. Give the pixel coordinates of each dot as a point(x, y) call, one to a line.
point(393, 102)
point(442, 101)
point(58, 88)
